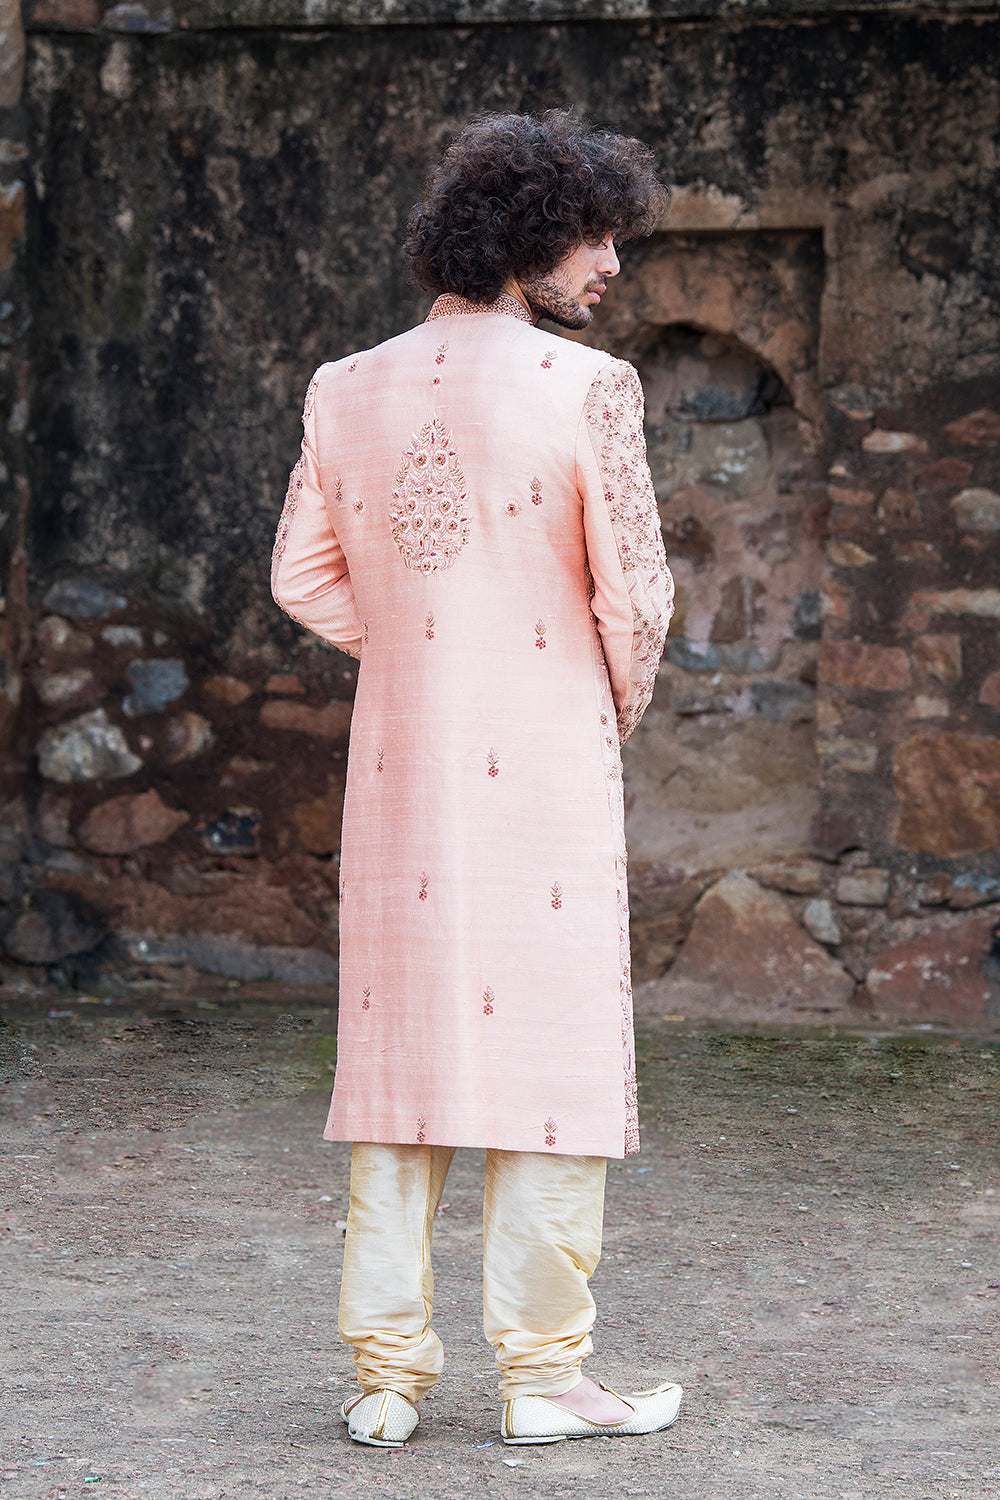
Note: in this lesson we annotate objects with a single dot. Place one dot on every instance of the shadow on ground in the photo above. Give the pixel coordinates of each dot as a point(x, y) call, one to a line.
point(809, 1242)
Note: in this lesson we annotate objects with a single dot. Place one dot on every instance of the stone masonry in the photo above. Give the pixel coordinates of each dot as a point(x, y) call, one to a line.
point(211, 196)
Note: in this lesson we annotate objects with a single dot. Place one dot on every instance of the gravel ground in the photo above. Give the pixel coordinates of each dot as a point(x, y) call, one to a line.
point(808, 1242)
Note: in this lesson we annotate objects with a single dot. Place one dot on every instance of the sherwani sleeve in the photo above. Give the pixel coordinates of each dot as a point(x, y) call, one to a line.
point(633, 589)
point(309, 575)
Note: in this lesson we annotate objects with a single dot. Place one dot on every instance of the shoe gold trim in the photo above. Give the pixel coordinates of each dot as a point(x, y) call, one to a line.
point(382, 1419)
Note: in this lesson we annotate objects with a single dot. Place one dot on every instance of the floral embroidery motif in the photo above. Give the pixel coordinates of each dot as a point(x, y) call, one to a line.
point(364, 633)
point(338, 489)
point(536, 492)
point(442, 351)
point(550, 1131)
point(556, 894)
point(424, 883)
point(352, 367)
point(450, 304)
point(421, 1129)
point(380, 763)
point(493, 764)
point(549, 356)
point(611, 755)
point(428, 515)
point(613, 411)
point(512, 508)
point(359, 505)
point(366, 997)
point(310, 401)
point(429, 626)
point(488, 999)
point(295, 482)
point(540, 634)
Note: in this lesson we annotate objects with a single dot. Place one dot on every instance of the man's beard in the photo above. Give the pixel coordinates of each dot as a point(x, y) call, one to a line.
point(548, 300)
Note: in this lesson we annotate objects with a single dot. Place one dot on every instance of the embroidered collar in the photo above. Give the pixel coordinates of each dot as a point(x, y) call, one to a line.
point(451, 304)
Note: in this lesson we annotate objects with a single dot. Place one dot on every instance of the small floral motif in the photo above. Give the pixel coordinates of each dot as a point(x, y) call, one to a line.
point(512, 508)
point(493, 764)
point(429, 626)
point(338, 489)
point(421, 1129)
point(550, 1131)
point(364, 633)
point(352, 367)
point(428, 514)
point(380, 763)
point(556, 894)
point(424, 883)
point(548, 357)
point(540, 634)
point(488, 999)
point(536, 492)
point(366, 997)
point(436, 380)
point(359, 505)
point(442, 351)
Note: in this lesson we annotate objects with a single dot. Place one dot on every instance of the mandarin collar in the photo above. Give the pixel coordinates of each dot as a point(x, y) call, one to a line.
point(450, 304)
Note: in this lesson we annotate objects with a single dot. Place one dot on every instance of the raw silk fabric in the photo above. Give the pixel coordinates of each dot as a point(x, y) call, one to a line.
point(472, 517)
point(542, 1219)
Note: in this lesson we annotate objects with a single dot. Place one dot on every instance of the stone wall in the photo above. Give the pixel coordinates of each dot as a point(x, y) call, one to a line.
point(14, 317)
point(215, 200)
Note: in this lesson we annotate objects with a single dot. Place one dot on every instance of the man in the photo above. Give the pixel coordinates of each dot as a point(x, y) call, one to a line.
point(472, 517)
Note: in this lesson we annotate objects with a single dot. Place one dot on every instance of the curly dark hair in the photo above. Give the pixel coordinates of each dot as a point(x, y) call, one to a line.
point(514, 194)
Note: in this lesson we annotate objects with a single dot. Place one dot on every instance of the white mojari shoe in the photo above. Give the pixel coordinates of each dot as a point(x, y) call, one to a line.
point(535, 1419)
point(382, 1419)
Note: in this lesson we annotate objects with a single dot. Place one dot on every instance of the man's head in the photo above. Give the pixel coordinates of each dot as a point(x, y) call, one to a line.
point(534, 202)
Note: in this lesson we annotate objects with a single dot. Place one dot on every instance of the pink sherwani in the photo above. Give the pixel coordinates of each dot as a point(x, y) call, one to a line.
point(472, 516)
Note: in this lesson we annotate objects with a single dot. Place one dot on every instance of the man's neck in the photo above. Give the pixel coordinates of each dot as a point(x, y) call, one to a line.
point(513, 289)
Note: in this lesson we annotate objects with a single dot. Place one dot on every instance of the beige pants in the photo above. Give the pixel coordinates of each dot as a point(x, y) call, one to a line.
point(542, 1218)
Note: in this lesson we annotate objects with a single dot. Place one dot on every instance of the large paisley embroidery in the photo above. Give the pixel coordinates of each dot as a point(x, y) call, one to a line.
point(428, 513)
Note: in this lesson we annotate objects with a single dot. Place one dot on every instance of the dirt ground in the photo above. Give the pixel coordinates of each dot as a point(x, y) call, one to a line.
point(809, 1242)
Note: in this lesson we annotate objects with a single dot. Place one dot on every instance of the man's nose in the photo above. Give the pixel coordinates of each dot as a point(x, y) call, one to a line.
point(609, 264)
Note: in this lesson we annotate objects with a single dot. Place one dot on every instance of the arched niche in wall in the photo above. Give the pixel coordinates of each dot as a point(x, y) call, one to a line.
point(724, 330)
point(762, 288)
point(739, 503)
